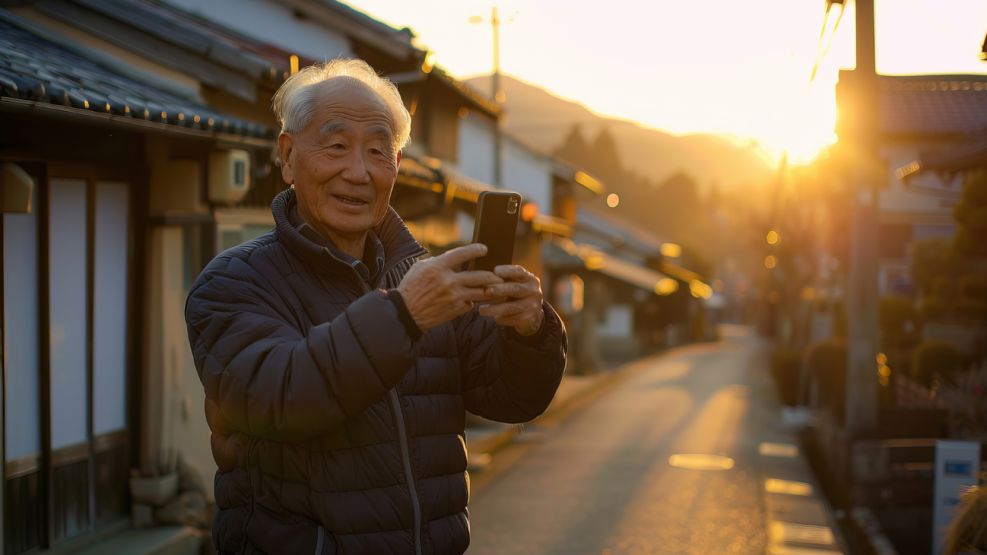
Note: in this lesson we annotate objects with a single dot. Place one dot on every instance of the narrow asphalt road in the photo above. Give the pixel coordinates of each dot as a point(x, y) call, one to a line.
point(665, 462)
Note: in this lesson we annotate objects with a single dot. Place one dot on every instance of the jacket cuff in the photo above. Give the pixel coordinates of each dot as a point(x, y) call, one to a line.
point(404, 314)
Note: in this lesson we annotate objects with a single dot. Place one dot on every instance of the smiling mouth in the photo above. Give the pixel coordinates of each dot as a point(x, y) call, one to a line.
point(352, 201)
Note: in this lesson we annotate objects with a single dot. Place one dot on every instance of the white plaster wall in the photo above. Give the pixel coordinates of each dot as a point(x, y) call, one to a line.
point(476, 148)
point(272, 23)
point(528, 174)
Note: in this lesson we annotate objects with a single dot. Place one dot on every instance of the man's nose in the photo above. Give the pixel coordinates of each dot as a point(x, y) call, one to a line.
point(357, 168)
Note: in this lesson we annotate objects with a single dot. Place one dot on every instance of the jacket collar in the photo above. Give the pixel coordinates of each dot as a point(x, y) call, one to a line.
point(397, 241)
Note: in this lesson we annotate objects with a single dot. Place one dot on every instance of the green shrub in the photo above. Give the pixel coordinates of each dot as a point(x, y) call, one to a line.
point(785, 366)
point(935, 358)
point(826, 362)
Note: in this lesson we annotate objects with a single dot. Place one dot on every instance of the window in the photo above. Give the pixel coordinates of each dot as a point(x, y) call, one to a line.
point(66, 284)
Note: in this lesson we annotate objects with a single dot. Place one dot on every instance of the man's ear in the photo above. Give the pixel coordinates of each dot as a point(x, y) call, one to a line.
point(286, 148)
point(399, 159)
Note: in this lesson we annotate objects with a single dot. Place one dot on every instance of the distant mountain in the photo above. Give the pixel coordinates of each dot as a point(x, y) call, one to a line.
point(541, 118)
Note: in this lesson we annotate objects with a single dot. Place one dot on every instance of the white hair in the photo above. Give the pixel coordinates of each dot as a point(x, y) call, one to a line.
point(294, 103)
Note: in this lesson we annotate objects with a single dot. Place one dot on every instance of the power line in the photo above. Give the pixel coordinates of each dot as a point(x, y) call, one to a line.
point(823, 49)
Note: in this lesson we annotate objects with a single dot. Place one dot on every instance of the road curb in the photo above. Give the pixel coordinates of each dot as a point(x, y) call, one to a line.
point(481, 449)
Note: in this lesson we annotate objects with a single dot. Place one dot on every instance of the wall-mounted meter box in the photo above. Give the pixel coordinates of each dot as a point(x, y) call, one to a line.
point(229, 176)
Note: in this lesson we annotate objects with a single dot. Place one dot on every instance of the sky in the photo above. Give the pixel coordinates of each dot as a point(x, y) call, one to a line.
point(723, 66)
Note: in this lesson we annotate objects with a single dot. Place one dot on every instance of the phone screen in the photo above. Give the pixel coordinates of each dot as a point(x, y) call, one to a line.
point(496, 227)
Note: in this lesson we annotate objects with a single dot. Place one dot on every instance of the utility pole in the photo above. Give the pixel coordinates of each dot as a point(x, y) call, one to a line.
point(498, 94)
point(865, 175)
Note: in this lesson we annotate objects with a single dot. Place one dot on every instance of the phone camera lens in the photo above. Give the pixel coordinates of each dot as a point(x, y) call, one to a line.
point(512, 206)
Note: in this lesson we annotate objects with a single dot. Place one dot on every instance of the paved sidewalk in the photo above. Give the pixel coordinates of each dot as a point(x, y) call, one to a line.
point(800, 520)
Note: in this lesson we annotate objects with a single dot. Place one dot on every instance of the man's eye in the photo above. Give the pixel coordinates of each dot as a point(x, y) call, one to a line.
point(337, 146)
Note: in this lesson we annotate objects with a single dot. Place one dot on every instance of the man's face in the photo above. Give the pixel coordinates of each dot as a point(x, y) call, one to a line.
point(343, 164)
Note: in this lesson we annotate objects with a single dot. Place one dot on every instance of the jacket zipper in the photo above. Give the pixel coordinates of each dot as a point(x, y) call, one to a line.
point(406, 460)
point(416, 508)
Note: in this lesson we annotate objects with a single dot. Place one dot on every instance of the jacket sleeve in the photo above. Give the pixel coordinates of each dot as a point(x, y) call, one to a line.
point(507, 377)
point(271, 379)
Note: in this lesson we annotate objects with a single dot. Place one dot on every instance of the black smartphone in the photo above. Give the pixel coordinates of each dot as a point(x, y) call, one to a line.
point(496, 226)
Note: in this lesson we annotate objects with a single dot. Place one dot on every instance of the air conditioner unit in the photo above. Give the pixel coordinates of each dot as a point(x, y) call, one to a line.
point(229, 176)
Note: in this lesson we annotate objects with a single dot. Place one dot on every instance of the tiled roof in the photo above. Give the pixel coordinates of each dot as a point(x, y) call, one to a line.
point(413, 172)
point(205, 40)
point(564, 253)
point(934, 104)
point(400, 36)
point(610, 232)
point(464, 90)
point(38, 69)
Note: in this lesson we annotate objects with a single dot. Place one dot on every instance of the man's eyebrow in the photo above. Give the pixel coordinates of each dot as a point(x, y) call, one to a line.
point(330, 127)
point(380, 131)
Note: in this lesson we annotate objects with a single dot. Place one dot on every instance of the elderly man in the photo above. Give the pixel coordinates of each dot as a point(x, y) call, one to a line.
point(338, 361)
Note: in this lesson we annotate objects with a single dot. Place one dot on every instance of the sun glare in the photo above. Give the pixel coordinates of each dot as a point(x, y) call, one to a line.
point(697, 67)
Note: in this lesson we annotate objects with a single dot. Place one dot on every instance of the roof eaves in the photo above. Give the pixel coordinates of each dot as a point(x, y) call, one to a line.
point(358, 25)
point(124, 34)
point(613, 229)
point(37, 73)
point(486, 105)
point(967, 156)
point(219, 133)
point(176, 27)
point(594, 259)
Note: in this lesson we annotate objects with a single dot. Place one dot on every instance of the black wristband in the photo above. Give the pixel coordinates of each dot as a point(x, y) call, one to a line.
point(404, 314)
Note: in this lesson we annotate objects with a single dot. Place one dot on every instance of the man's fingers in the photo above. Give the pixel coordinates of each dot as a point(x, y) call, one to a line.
point(458, 256)
point(513, 272)
point(514, 289)
point(477, 278)
point(507, 309)
point(474, 294)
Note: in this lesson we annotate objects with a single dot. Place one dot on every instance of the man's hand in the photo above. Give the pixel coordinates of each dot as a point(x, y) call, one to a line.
point(521, 307)
point(435, 292)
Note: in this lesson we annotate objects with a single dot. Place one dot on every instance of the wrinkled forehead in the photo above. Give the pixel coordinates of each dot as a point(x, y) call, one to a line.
point(346, 98)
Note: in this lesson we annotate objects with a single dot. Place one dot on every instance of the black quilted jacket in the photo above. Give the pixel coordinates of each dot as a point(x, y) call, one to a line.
point(335, 431)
